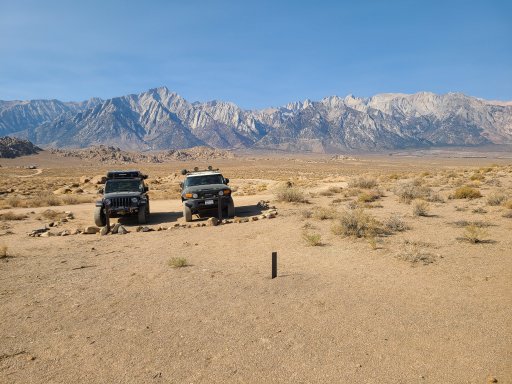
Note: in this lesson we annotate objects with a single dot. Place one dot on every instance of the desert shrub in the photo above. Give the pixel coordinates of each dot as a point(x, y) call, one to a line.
point(435, 197)
point(73, 199)
point(477, 177)
point(415, 252)
point(324, 214)
point(350, 192)
point(474, 234)
point(357, 223)
point(325, 192)
point(44, 200)
point(312, 239)
point(496, 198)
point(369, 196)
point(507, 215)
point(479, 210)
point(467, 192)
point(409, 190)
point(395, 223)
point(363, 182)
point(306, 213)
point(420, 207)
point(3, 251)
point(9, 216)
point(290, 195)
point(465, 223)
point(178, 262)
point(50, 214)
point(335, 189)
point(13, 202)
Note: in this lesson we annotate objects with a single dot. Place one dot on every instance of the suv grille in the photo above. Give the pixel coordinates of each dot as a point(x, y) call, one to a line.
point(119, 202)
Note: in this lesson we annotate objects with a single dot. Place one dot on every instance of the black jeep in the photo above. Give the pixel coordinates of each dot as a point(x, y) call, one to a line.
point(124, 194)
point(203, 191)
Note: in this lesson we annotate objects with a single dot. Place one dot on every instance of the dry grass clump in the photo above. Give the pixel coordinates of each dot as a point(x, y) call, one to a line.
point(477, 177)
point(409, 190)
point(74, 199)
point(369, 196)
point(312, 239)
point(10, 216)
point(324, 214)
point(335, 189)
point(395, 223)
point(475, 234)
point(467, 192)
point(357, 223)
point(306, 213)
point(290, 195)
point(496, 198)
point(416, 252)
point(465, 223)
point(50, 214)
point(178, 262)
point(420, 208)
point(363, 182)
point(3, 251)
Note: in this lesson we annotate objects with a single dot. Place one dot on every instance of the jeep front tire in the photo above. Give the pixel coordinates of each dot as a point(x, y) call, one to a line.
point(99, 217)
point(187, 213)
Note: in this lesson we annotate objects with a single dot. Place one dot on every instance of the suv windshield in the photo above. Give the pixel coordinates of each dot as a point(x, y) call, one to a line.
point(113, 186)
point(204, 180)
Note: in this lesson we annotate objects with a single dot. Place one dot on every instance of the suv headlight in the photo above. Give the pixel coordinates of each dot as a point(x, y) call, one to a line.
point(221, 193)
point(195, 196)
point(135, 200)
point(107, 201)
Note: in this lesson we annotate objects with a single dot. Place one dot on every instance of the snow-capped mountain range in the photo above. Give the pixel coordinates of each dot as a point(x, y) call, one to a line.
point(160, 119)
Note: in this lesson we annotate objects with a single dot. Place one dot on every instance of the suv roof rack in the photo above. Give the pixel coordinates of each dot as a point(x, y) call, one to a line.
point(126, 175)
point(196, 169)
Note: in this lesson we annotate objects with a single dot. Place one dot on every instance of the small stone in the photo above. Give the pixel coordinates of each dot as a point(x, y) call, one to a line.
point(176, 225)
point(491, 379)
point(254, 218)
point(115, 228)
point(65, 233)
point(198, 225)
point(146, 229)
point(122, 230)
point(46, 234)
point(90, 230)
point(104, 230)
point(64, 220)
point(271, 215)
point(244, 220)
point(52, 224)
point(84, 179)
point(212, 222)
point(77, 231)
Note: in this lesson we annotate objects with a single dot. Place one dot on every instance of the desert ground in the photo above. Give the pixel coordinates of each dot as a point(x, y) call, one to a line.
point(391, 269)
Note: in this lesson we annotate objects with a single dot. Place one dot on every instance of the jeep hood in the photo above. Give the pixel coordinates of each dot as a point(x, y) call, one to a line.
point(121, 194)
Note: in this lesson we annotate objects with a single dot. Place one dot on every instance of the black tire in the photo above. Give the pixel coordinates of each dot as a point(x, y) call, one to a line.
point(187, 213)
point(231, 209)
point(142, 216)
point(99, 217)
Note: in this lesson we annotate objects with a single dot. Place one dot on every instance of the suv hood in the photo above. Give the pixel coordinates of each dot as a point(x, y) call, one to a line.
point(205, 188)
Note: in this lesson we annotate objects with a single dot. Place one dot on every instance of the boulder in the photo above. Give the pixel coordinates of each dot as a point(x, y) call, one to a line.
point(62, 191)
point(115, 228)
point(122, 230)
point(91, 230)
point(98, 179)
point(212, 222)
point(104, 230)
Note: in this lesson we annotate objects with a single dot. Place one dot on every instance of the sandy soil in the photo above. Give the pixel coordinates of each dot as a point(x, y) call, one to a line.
point(110, 309)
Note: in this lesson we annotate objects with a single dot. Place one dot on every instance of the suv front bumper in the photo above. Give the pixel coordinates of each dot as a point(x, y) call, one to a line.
point(197, 205)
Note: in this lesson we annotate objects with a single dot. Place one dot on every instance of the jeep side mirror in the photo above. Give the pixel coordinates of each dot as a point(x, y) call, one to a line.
point(100, 191)
point(226, 181)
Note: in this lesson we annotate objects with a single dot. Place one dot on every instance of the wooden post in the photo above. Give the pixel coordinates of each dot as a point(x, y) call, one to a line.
point(274, 265)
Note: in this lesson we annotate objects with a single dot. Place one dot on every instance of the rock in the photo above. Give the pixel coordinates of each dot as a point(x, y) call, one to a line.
point(64, 220)
point(84, 179)
point(90, 230)
point(38, 232)
point(47, 234)
point(74, 185)
point(78, 190)
point(115, 228)
point(254, 218)
point(491, 379)
point(64, 233)
point(145, 229)
point(263, 204)
point(122, 230)
point(69, 215)
point(176, 225)
point(198, 225)
point(77, 231)
point(62, 191)
point(51, 224)
point(104, 230)
point(212, 222)
point(98, 179)
point(271, 215)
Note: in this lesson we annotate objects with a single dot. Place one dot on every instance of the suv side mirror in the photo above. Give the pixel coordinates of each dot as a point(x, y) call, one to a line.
point(226, 181)
point(146, 189)
point(100, 191)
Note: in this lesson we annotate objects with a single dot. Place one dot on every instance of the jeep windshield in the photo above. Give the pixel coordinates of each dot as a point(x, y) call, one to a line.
point(113, 186)
point(203, 180)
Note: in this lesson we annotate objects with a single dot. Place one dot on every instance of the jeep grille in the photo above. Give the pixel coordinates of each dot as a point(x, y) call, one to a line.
point(119, 202)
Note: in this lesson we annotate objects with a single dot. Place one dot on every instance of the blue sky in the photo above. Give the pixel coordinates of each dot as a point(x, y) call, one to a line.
point(254, 53)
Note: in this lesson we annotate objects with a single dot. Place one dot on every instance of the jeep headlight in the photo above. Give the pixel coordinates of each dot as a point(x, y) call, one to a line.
point(107, 201)
point(221, 193)
point(135, 200)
